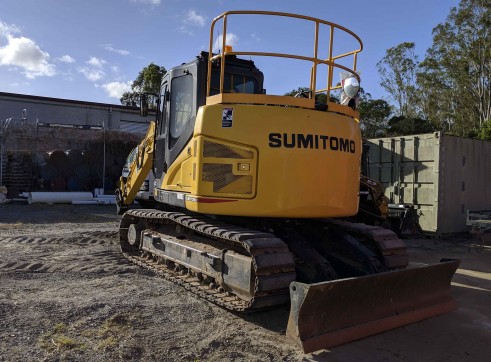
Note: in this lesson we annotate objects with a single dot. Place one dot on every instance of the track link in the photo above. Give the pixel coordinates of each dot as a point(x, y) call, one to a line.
point(391, 247)
point(272, 262)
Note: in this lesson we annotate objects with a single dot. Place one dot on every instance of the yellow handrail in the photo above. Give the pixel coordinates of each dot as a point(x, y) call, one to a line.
point(330, 62)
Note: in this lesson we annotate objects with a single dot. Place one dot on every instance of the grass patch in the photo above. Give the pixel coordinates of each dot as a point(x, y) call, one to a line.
point(108, 343)
point(57, 340)
point(111, 334)
point(15, 225)
point(113, 331)
point(64, 342)
point(59, 328)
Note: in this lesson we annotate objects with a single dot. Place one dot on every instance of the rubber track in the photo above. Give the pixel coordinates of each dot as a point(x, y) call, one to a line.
point(392, 248)
point(273, 264)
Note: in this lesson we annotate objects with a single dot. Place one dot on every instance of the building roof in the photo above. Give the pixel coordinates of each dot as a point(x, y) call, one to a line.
point(70, 101)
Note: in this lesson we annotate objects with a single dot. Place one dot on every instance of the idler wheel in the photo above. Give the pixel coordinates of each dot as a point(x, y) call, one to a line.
point(134, 234)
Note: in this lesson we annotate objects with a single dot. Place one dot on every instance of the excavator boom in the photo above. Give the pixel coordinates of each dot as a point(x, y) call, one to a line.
point(138, 171)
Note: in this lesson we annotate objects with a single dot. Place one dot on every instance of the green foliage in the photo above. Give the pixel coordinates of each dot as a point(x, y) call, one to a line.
point(299, 90)
point(458, 65)
point(130, 99)
point(319, 97)
point(402, 126)
point(148, 81)
point(485, 131)
point(398, 77)
point(374, 114)
point(451, 87)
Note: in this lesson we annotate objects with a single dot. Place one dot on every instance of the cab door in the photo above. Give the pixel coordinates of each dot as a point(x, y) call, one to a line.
point(160, 165)
point(177, 115)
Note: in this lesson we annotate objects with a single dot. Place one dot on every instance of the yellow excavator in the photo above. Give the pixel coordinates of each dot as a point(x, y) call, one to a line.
point(253, 192)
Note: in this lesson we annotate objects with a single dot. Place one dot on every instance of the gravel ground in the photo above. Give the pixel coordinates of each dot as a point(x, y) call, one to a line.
point(67, 294)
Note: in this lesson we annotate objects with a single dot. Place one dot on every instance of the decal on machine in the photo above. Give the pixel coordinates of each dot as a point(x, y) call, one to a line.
point(227, 117)
point(313, 141)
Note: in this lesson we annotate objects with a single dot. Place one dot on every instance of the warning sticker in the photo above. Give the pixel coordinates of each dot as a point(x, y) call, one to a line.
point(227, 117)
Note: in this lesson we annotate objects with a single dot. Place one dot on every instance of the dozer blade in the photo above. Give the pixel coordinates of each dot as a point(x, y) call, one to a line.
point(327, 314)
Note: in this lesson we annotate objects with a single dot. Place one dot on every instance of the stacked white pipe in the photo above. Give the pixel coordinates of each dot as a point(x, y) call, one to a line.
point(61, 197)
point(75, 198)
point(105, 199)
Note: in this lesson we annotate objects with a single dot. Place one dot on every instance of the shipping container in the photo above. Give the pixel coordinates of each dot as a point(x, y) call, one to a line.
point(442, 176)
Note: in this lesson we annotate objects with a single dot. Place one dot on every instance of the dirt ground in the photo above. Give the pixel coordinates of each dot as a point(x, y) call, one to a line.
point(67, 294)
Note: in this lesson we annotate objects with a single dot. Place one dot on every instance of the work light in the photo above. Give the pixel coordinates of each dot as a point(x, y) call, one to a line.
point(351, 86)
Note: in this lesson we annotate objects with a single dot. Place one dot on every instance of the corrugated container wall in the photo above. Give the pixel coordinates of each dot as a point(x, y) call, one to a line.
point(442, 176)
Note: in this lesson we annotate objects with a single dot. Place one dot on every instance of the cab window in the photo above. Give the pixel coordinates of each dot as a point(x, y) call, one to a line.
point(233, 83)
point(163, 109)
point(181, 104)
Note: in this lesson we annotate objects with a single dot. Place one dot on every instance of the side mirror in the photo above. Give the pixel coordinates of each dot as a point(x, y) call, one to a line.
point(144, 105)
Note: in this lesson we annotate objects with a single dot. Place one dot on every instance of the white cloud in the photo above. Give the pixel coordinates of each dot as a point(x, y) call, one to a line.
point(94, 71)
point(150, 2)
point(96, 62)
point(186, 31)
point(66, 59)
point(6, 29)
point(231, 39)
point(193, 18)
point(19, 84)
point(92, 74)
point(116, 89)
point(24, 53)
point(119, 51)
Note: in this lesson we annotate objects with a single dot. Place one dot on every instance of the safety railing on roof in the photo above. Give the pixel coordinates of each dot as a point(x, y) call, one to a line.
point(332, 61)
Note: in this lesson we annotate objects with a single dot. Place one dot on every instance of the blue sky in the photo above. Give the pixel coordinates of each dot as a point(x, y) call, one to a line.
point(92, 50)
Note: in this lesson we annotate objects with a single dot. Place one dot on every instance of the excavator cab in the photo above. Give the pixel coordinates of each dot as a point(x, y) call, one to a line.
point(182, 93)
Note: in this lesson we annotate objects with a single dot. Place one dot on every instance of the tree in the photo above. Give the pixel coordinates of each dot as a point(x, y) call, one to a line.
point(148, 81)
point(374, 114)
point(485, 131)
point(299, 90)
point(319, 97)
point(455, 75)
point(402, 126)
point(130, 99)
point(398, 77)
